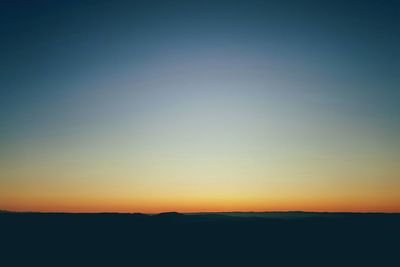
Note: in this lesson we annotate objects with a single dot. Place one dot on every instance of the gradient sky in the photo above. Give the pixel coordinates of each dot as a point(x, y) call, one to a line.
point(153, 106)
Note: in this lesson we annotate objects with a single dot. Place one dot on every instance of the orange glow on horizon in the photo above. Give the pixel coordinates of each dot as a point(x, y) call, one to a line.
point(126, 206)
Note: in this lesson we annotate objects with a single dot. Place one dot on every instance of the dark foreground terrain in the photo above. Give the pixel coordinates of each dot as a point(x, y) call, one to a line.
point(206, 239)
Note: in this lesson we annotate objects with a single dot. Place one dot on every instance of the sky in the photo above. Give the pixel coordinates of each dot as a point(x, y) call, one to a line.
point(152, 106)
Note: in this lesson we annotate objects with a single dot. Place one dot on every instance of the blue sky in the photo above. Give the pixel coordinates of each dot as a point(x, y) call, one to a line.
point(262, 96)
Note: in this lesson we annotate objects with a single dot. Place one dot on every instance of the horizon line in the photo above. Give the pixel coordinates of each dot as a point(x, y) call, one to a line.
point(198, 212)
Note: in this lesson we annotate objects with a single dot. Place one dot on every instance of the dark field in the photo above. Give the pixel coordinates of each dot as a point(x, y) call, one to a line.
point(207, 239)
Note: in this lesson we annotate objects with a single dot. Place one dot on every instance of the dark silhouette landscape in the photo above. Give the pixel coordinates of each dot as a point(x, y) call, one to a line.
point(170, 239)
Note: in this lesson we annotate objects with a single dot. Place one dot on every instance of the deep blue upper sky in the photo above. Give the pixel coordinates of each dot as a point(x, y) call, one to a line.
point(49, 46)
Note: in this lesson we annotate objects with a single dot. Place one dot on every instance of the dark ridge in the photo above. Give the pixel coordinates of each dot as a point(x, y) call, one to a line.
point(170, 216)
point(170, 213)
point(6, 211)
point(137, 214)
point(269, 239)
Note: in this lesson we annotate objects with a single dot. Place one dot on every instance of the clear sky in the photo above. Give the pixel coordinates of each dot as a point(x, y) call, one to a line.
point(150, 106)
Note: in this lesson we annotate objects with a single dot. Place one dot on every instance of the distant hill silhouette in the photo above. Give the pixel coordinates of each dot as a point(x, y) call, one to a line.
point(6, 211)
point(216, 239)
point(171, 214)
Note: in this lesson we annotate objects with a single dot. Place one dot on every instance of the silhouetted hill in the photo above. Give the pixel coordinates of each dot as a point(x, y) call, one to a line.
point(5, 211)
point(216, 239)
point(169, 215)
